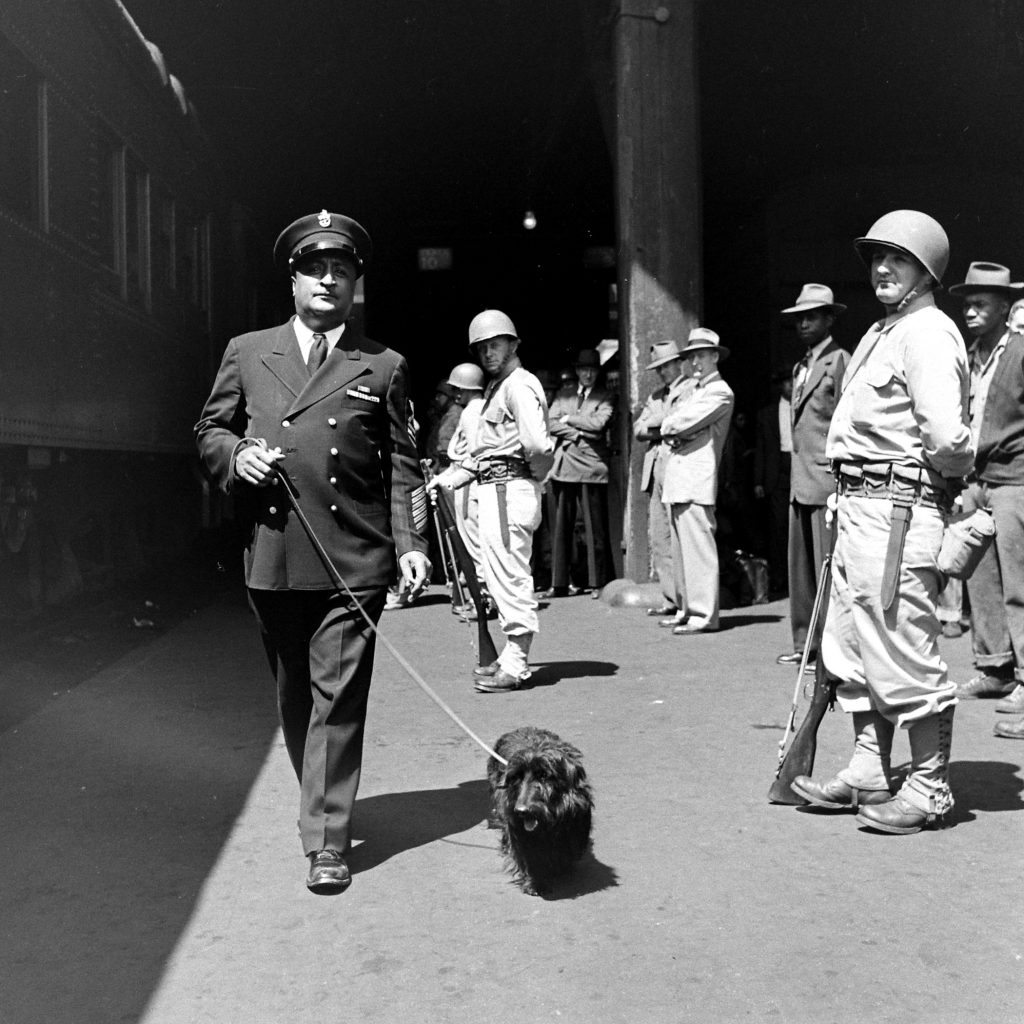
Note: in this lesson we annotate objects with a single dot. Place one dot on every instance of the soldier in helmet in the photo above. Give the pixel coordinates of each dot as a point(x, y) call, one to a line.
point(467, 379)
point(899, 443)
point(509, 456)
point(329, 406)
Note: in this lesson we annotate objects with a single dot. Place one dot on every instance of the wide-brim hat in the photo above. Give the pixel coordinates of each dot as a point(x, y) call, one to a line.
point(323, 232)
point(588, 358)
point(988, 277)
point(663, 352)
point(815, 296)
point(704, 339)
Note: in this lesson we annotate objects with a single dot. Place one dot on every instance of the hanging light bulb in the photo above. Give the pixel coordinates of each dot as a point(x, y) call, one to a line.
point(529, 220)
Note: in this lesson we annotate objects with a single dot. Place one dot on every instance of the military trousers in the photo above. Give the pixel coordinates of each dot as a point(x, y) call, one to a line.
point(886, 660)
point(506, 560)
point(321, 651)
point(996, 589)
point(467, 520)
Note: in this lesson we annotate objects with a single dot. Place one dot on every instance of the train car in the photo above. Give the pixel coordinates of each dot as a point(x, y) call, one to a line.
point(122, 270)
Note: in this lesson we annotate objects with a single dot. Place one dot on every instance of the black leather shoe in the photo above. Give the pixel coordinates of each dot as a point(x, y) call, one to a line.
point(670, 623)
point(575, 591)
point(789, 659)
point(485, 671)
point(665, 609)
point(328, 873)
point(836, 795)
point(546, 595)
point(500, 682)
point(684, 630)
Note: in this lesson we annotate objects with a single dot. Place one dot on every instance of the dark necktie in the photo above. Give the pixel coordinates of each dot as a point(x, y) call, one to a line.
point(581, 394)
point(317, 353)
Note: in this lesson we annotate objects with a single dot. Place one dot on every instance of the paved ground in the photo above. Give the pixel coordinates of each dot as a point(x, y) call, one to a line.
point(152, 872)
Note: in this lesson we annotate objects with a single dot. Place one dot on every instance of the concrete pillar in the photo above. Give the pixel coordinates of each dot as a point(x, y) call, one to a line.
point(658, 185)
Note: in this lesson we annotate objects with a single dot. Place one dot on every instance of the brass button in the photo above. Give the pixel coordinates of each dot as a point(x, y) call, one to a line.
point(334, 452)
point(286, 423)
point(331, 421)
point(272, 510)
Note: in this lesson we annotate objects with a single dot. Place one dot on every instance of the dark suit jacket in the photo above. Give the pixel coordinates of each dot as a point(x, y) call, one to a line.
point(811, 481)
point(581, 453)
point(348, 451)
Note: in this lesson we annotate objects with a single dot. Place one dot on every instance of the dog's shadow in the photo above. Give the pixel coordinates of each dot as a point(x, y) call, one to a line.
point(392, 823)
point(589, 876)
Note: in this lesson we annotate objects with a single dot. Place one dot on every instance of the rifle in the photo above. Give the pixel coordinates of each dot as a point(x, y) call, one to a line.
point(487, 654)
point(799, 758)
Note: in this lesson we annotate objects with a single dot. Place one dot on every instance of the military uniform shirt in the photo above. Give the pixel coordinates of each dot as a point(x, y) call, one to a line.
point(905, 396)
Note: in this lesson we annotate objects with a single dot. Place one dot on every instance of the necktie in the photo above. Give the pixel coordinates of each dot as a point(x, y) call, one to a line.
point(802, 369)
point(580, 395)
point(317, 353)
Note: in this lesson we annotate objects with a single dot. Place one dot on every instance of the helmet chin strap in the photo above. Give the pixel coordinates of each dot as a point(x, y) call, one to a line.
point(914, 293)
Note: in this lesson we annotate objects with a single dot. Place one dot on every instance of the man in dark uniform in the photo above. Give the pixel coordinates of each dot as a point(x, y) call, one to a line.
point(331, 407)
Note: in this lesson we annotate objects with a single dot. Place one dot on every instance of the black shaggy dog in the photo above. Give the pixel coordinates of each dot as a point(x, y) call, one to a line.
point(542, 803)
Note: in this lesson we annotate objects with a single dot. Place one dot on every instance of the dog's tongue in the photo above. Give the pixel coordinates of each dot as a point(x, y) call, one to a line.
point(529, 824)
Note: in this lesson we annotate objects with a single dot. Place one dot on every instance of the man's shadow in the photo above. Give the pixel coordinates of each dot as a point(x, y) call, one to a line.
point(977, 786)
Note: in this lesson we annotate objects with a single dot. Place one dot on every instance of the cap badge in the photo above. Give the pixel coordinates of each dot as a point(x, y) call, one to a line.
point(324, 219)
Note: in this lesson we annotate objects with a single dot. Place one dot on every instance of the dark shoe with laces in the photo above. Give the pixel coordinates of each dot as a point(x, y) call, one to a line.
point(793, 658)
point(899, 817)
point(836, 795)
point(486, 671)
point(665, 609)
point(328, 873)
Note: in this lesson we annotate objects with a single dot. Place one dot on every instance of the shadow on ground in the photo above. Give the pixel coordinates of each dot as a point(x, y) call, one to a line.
point(547, 673)
point(397, 822)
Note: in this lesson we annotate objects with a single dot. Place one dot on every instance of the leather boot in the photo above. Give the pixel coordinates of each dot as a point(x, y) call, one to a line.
point(866, 779)
point(925, 799)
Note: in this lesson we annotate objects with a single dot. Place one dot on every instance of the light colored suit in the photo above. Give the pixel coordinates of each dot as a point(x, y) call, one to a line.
point(697, 427)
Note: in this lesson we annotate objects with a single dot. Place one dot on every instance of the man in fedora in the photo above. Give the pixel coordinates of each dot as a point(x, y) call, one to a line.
point(331, 408)
point(695, 429)
point(996, 589)
point(674, 372)
point(817, 382)
point(578, 421)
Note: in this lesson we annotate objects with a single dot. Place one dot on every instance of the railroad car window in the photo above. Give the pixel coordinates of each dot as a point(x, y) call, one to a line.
point(70, 190)
point(19, 134)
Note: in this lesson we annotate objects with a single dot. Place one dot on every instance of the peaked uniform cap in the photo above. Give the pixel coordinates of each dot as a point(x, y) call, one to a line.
point(988, 277)
point(663, 352)
point(323, 232)
point(815, 296)
point(491, 323)
point(705, 339)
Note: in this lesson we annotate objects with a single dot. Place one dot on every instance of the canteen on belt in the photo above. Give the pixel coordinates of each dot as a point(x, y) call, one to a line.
point(964, 542)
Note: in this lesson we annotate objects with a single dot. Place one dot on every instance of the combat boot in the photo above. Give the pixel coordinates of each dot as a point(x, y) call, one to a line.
point(866, 780)
point(924, 800)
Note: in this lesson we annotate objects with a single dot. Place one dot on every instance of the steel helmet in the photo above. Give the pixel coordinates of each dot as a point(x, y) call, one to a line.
point(467, 376)
point(491, 323)
point(911, 232)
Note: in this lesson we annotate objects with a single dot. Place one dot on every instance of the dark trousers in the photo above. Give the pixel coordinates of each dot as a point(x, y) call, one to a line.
point(592, 501)
point(321, 651)
point(809, 541)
